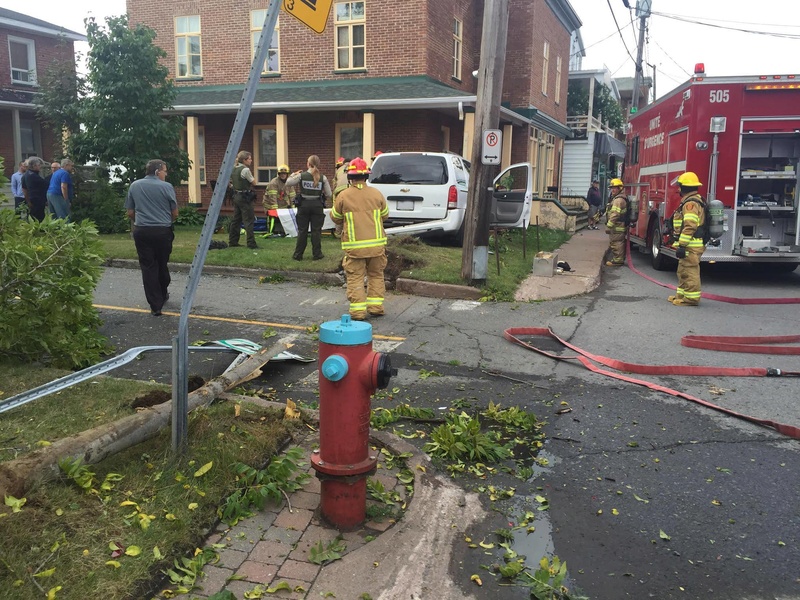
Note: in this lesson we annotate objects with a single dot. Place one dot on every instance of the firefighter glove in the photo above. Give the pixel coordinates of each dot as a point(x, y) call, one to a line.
point(680, 252)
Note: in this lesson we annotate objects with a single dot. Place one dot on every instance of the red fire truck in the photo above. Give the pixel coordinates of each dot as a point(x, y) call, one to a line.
point(741, 136)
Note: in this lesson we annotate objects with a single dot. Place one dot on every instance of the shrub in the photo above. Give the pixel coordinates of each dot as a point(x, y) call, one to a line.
point(101, 203)
point(188, 215)
point(48, 273)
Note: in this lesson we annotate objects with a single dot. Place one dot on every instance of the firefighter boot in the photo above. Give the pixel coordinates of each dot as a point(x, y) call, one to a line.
point(684, 302)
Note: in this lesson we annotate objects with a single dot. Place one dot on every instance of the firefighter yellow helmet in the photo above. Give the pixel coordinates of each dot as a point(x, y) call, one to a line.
point(283, 169)
point(689, 179)
point(616, 183)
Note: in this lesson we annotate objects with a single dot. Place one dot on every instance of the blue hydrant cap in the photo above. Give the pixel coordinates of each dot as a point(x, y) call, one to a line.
point(334, 368)
point(345, 332)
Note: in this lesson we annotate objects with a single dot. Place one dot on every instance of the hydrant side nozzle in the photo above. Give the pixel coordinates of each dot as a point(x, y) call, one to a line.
point(335, 367)
point(385, 370)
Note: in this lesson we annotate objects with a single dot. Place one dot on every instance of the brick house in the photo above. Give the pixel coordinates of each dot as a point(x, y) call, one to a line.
point(384, 75)
point(30, 46)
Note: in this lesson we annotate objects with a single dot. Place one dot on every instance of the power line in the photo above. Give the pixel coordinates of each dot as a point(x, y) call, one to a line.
point(672, 59)
point(620, 31)
point(693, 21)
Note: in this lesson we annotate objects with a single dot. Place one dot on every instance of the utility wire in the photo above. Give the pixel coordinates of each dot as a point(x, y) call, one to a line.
point(620, 31)
point(673, 60)
point(693, 21)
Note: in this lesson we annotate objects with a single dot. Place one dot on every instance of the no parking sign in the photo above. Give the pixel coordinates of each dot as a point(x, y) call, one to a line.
point(492, 145)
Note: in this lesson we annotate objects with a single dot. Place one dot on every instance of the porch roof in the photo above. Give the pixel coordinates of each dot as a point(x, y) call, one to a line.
point(350, 94)
point(375, 93)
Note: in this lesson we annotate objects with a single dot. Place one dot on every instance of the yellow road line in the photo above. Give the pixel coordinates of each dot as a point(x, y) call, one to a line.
point(390, 338)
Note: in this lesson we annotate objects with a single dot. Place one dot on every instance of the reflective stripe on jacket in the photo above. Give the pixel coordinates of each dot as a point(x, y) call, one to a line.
point(362, 210)
point(687, 219)
point(616, 214)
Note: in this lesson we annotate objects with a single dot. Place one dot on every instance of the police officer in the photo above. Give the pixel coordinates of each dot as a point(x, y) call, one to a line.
point(362, 210)
point(315, 191)
point(687, 223)
point(243, 212)
point(615, 225)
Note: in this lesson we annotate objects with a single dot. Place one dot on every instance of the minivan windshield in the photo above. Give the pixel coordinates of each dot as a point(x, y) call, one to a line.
point(410, 168)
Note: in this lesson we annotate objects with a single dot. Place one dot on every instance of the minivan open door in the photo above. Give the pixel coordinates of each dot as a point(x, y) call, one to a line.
point(512, 194)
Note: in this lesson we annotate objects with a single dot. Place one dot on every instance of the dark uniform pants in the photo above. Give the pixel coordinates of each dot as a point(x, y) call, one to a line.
point(154, 246)
point(244, 215)
point(309, 212)
point(369, 300)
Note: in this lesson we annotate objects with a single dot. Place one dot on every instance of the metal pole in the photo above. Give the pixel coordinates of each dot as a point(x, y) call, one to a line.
point(487, 116)
point(180, 385)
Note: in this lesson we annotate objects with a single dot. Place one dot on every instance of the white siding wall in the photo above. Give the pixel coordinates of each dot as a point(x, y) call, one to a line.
point(576, 176)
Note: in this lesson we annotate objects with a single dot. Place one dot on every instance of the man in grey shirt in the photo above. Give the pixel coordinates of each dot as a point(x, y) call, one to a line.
point(152, 206)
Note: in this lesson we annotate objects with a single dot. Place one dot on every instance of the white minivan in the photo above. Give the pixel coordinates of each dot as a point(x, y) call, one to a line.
point(427, 193)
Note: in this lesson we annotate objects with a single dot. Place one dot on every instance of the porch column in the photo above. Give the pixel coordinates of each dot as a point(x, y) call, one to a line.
point(193, 149)
point(17, 135)
point(505, 152)
point(282, 138)
point(368, 139)
point(469, 134)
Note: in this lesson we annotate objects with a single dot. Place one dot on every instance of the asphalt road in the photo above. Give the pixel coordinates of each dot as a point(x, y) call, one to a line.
point(649, 496)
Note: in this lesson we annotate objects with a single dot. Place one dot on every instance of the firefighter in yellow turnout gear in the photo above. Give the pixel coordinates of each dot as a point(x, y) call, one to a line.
point(615, 225)
point(278, 195)
point(340, 184)
point(687, 224)
point(362, 210)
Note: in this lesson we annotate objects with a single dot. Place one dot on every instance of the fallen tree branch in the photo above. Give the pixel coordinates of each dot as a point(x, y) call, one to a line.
point(94, 445)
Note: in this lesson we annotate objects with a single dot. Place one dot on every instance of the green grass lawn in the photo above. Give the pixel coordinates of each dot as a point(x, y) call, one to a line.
point(409, 257)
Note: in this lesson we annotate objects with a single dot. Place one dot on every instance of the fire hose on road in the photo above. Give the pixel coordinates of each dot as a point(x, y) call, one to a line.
point(727, 344)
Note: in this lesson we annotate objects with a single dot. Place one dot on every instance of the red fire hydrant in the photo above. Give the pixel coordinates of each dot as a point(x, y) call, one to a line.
point(349, 373)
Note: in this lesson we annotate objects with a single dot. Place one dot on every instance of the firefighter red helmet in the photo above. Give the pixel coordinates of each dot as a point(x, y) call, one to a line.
point(358, 166)
point(340, 161)
point(377, 154)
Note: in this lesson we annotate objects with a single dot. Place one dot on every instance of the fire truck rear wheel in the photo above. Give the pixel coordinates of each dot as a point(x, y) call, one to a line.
point(657, 258)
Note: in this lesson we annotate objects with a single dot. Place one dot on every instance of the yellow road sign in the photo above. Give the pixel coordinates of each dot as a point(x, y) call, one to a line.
point(313, 13)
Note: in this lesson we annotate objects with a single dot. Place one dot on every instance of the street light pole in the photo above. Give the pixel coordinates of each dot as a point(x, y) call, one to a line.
point(475, 251)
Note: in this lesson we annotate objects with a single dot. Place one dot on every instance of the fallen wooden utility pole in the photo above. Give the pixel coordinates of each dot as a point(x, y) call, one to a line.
point(94, 445)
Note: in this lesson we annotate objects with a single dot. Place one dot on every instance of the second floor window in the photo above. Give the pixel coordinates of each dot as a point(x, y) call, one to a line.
point(557, 95)
point(187, 47)
point(350, 40)
point(545, 66)
point(273, 62)
point(458, 27)
point(22, 53)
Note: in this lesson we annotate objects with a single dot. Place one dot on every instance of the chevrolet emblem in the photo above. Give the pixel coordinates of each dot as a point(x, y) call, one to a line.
point(405, 189)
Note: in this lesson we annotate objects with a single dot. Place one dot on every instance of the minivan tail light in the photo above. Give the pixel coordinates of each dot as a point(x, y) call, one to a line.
point(452, 198)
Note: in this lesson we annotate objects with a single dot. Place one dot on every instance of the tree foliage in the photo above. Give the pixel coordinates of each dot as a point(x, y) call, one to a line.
point(58, 104)
point(605, 107)
point(121, 103)
point(48, 273)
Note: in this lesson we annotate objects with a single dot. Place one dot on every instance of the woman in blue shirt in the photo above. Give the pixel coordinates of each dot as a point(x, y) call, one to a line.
point(59, 192)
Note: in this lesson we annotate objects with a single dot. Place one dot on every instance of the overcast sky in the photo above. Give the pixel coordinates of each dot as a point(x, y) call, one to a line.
point(682, 33)
point(676, 38)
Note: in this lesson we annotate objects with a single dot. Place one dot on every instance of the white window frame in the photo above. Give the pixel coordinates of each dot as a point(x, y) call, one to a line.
point(458, 45)
point(344, 20)
point(545, 66)
point(257, 18)
point(31, 72)
point(187, 36)
point(557, 93)
point(259, 167)
point(201, 150)
point(338, 140)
